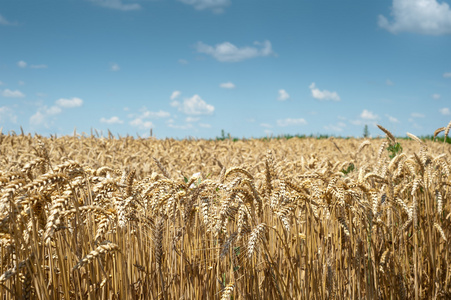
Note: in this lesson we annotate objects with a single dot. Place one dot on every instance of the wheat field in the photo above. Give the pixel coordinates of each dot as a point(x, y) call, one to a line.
point(84, 217)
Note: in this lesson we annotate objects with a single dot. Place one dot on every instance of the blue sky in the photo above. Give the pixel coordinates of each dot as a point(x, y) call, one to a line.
point(251, 67)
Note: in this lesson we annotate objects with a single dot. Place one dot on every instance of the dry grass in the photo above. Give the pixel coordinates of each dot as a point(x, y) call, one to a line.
point(92, 218)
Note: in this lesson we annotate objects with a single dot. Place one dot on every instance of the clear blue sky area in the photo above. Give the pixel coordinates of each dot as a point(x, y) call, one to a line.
point(250, 67)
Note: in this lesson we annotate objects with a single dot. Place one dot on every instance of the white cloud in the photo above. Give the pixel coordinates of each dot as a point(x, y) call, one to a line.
point(217, 6)
point(38, 66)
point(389, 82)
point(324, 94)
point(283, 95)
point(417, 115)
point(183, 61)
point(447, 75)
point(191, 119)
point(291, 122)
point(175, 94)
point(12, 94)
point(4, 21)
point(392, 119)
point(21, 82)
point(1, 83)
point(155, 114)
point(227, 85)
point(445, 111)
point(6, 113)
point(335, 127)
point(53, 110)
point(116, 4)
point(194, 106)
point(356, 122)
point(204, 125)
point(436, 96)
point(140, 123)
point(112, 120)
point(114, 67)
point(42, 115)
point(227, 52)
point(22, 64)
point(368, 115)
point(429, 17)
point(37, 119)
point(266, 125)
point(69, 103)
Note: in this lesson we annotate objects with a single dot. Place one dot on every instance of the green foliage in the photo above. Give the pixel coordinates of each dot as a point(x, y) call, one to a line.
point(394, 149)
point(349, 169)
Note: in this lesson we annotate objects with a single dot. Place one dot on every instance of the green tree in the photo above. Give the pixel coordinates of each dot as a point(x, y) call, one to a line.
point(366, 132)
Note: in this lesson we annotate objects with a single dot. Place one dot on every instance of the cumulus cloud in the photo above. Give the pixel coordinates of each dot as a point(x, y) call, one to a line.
point(335, 127)
point(283, 95)
point(368, 115)
point(324, 94)
point(194, 106)
point(266, 125)
point(428, 17)
point(228, 52)
point(175, 94)
point(44, 114)
point(4, 21)
point(445, 111)
point(204, 125)
point(227, 85)
point(217, 6)
point(1, 83)
point(114, 67)
point(112, 120)
point(69, 103)
point(191, 119)
point(12, 94)
point(21, 64)
point(183, 61)
point(141, 124)
point(392, 119)
point(155, 114)
point(117, 5)
point(447, 75)
point(291, 122)
point(416, 115)
point(389, 82)
point(7, 113)
point(436, 96)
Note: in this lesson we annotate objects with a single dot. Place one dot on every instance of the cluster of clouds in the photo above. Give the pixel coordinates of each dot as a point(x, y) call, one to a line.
point(194, 108)
point(228, 52)
point(428, 17)
point(194, 105)
point(45, 115)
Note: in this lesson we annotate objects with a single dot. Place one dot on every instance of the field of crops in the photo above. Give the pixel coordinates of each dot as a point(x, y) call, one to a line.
point(83, 217)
